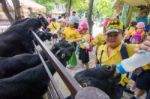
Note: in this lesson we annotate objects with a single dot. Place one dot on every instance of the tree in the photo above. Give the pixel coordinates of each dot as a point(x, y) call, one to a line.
point(17, 8)
point(6, 11)
point(90, 21)
point(69, 6)
point(104, 7)
point(6, 8)
point(49, 4)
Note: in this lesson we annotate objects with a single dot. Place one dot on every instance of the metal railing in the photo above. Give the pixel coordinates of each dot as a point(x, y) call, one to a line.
point(70, 82)
point(76, 91)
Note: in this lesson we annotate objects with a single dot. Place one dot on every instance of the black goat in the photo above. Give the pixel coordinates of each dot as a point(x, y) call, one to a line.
point(29, 84)
point(18, 38)
point(103, 78)
point(10, 66)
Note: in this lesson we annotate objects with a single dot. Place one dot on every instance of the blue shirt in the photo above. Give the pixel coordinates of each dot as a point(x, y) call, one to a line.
point(144, 19)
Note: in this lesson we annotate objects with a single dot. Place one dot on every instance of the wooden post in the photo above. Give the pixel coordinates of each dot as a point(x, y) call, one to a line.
point(6, 10)
point(90, 21)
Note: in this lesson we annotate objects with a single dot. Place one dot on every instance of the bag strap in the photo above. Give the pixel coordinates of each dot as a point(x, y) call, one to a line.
point(123, 51)
point(54, 26)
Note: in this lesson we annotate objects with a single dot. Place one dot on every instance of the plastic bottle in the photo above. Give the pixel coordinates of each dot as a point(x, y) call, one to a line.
point(85, 43)
point(135, 61)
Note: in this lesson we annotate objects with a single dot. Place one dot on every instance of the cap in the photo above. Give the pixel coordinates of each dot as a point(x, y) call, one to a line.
point(114, 26)
point(113, 31)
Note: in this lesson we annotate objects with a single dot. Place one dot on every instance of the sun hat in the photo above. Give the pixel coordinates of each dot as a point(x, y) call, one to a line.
point(140, 25)
point(83, 26)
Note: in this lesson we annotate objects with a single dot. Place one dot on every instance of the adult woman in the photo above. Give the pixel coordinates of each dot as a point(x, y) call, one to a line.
point(110, 53)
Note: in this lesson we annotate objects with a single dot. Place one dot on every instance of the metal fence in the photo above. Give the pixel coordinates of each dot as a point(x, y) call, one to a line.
point(77, 92)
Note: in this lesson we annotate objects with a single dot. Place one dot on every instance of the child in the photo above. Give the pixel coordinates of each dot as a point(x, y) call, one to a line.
point(139, 34)
point(84, 44)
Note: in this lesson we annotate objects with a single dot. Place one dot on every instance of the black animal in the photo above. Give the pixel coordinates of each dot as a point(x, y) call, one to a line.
point(103, 78)
point(24, 79)
point(29, 84)
point(63, 51)
point(18, 38)
point(10, 66)
point(44, 34)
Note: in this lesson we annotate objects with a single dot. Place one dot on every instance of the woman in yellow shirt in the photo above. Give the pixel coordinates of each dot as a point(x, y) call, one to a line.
point(110, 53)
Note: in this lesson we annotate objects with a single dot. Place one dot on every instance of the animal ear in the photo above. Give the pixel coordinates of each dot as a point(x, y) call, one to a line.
point(39, 16)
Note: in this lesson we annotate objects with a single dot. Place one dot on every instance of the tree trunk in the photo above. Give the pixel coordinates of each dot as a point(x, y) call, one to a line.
point(17, 9)
point(90, 21)
point(69, 6)
point(6, 11)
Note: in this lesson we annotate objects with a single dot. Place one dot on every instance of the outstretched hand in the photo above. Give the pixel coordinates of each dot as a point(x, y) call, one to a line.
point(144, 46)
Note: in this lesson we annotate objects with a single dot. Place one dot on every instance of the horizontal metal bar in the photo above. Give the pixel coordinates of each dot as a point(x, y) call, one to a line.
point(58, 92)
point(70, 82)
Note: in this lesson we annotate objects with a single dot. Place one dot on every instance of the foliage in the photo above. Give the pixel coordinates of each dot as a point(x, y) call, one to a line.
point(81, 6)
point(47, 3)
point(100, 8)
point(104, 7)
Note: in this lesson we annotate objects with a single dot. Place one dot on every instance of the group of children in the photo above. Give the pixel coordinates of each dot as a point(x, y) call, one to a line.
point(74, 32)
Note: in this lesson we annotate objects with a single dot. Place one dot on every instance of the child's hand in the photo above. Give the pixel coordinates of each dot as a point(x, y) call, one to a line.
point(145, 45)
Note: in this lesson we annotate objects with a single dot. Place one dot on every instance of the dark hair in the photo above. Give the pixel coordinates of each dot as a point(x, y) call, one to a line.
point(73, 11)
point(76, 25)
point(59, 17)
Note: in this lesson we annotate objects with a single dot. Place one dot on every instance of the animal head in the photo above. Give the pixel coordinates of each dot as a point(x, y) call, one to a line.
point(103, 78)
point(63, 51)
point(43, 21)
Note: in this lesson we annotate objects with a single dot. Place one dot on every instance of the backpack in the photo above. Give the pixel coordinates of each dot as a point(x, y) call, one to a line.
point(123, 51)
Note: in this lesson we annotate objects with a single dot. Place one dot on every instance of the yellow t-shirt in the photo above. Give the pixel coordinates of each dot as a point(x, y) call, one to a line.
point(70, 34)
point(115, 57)
point(53, 26)
point(86, 37)
point(99, 40)
point(129, 32)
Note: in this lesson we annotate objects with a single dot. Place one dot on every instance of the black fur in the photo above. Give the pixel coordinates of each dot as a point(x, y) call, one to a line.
point(12, 65)
point(29, 81)
point(29, 84)
point(18, 38)
point(102, 78)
